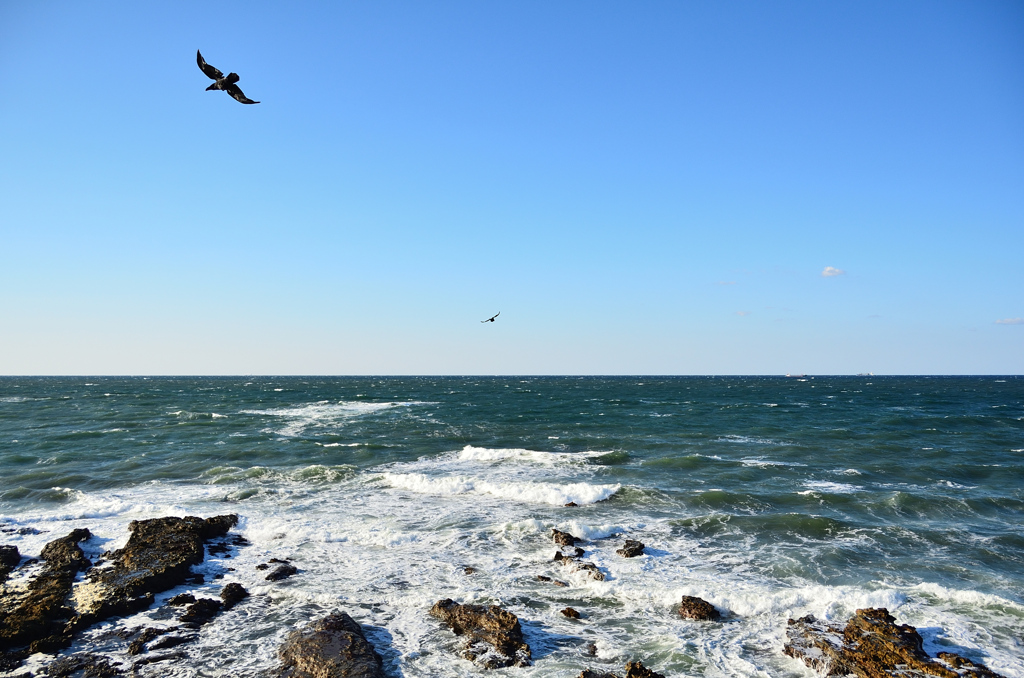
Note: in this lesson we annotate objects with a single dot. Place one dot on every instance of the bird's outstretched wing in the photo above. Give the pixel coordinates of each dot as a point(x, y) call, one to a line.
point(237, 95)
point(491, 319)
point(211, 72)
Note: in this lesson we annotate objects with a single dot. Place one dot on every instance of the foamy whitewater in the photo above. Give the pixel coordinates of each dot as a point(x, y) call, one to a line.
point(771, 498)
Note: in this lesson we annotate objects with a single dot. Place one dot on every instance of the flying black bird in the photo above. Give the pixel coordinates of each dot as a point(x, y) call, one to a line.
point(491, 319)
point(226, 83)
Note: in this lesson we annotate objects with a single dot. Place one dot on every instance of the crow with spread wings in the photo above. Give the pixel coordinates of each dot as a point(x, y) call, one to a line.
point(226, 83)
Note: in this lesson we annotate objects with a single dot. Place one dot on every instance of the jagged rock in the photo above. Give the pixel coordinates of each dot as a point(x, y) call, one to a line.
point(170, 641)
point(152, 659)
point(494, 636)
point(82, 666)
point(469, 570)
point(571, 504)
point(872, 645)
point(201, 611)
point(633, 670)
point(182, 599)
point(158, 556)
point(579, 566)
point(39, 619)
point(281, 572)
point(632, 549)
point(333, 647)
point(138, 645)
point(571, 613)
point(9, 559)
point(564, 538)
point(232, 594)
point(692, 607)
point(263, 566)
point(638, 670)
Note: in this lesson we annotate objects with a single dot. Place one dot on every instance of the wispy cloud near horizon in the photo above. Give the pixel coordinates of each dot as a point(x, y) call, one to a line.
point(1010, 321)
point(832, 271)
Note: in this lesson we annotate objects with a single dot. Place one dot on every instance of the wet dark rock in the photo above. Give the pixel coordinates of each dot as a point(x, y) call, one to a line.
point(872, 645)
point(233, 594)
point(263, 566)
point(541, 577)
point(571, 613)
point(333, 647)
point(28, 530)
point(9, 559)
point(494, 637)
point(692, 607)
point(633, 670)
point(39, 618)
point(638, 670)
point(279, 561)
point(182, 599)
point(138, 645)
point(571, 504)
point(82, 666)
point(549, 580)
point(469, 570)
point(632, 549)
point(219, 549)
point(170, 641)
point(201, 611)
point(281, 572)
point(153, 659)
point(592, 649)
point(564, 538)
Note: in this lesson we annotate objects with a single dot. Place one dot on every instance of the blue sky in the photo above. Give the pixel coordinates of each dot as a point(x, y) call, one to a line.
point(651, 187)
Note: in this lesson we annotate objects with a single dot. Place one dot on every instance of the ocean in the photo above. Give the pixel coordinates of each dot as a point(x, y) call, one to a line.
point(771, 498)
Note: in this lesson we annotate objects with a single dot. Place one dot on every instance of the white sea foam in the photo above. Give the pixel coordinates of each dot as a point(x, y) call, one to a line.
point(543, 493)
point(324, 414)
point(762, 462)
point(829, 487)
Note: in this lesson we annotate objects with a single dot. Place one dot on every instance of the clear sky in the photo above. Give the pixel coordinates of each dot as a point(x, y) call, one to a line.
point(642, 187)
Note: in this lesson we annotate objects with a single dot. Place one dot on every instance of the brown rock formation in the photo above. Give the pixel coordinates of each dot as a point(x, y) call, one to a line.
point(692, 607)
point(575, 565)
point(232, 594)
point(493, 635)
point(9, 559)
point(571, 613)
point(872, 645)
point(333, 647)
point(40, 619)
point(564, 538)
point(631, 549)
point(633, 670)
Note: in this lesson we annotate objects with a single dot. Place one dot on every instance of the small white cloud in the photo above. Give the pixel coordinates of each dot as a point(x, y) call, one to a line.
point(742, 312)
point(1010, 321)
point(831, 271)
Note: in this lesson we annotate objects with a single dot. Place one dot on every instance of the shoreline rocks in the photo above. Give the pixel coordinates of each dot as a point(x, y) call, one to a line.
point(631, 549)
point(494, 637)
point(633, 670)
point(333, 647)
point(872, 645)
point(692, 607)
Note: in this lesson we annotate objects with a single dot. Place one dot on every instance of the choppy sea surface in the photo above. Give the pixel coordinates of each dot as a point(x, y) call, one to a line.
point(771, 498)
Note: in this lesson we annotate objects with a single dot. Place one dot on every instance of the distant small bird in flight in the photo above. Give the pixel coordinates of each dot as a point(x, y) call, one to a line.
point(491, 319)
point(225, 83)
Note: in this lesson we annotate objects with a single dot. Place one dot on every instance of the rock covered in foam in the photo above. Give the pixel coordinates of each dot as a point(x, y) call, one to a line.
point(633, 670)
point(872, 645)
point(494, 637)
point(333, 647)
point(692, 607)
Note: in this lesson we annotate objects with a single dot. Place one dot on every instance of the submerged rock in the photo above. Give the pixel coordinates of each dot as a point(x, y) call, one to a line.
point(333, 647)
point(872, 645)
point(281, 572)
point(82, 666)
point(633, 670)
point(571, 613)
point(494, 636)
point(692, 607)
point(632, 549)
point(201, 611)
point(40, 618)
point(575, 565)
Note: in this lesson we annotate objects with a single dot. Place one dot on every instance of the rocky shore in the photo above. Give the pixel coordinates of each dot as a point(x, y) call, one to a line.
point(46, 604)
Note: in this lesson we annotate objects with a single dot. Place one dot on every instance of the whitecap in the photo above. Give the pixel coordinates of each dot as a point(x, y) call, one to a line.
point(530, 492)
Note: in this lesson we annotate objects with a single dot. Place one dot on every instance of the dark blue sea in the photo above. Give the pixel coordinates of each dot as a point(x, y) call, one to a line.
point(772, 498)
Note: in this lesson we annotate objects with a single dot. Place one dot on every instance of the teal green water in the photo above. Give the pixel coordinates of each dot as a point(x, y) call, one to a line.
point(769, 496)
